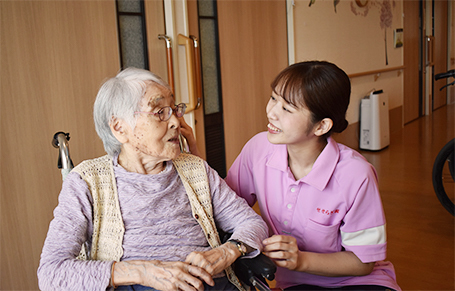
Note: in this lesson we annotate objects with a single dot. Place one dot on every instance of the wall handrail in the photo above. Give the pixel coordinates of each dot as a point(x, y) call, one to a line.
point(374, 72)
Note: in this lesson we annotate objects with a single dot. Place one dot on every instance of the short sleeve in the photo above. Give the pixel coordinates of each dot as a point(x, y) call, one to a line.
point(240, 175)
point(364, 228)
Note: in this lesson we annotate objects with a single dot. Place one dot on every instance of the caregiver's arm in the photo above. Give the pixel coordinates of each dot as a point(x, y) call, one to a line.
point(285, 253)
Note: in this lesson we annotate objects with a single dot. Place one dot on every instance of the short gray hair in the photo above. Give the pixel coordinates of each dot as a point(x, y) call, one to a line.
point(120, 97)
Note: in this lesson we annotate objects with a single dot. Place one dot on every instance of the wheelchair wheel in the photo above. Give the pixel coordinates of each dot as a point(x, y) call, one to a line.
point(443, 176)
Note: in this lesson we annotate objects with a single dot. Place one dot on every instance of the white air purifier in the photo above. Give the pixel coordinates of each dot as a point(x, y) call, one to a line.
point(374, 121)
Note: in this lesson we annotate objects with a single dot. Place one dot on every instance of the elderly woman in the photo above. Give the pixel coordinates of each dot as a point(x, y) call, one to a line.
point(144, 216)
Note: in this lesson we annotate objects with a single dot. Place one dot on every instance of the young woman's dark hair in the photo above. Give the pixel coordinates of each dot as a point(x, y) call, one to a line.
point(321, 87)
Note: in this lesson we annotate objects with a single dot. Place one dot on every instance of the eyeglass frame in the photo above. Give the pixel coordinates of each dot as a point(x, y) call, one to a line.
point(161, 111)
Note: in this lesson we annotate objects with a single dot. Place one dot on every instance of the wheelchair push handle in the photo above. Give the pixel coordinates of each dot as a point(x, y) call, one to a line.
point(60, 141)
point(447, 74)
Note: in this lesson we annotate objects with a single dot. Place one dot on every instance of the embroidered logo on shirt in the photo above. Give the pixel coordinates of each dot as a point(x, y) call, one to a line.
point(327, 212)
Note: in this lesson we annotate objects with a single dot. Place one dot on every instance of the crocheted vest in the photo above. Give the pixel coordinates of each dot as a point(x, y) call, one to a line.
point(108, 228)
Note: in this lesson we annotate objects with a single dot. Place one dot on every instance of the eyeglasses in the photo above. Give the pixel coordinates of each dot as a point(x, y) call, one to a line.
point(166, 112)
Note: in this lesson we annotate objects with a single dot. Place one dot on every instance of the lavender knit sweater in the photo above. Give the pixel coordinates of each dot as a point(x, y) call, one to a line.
point(158, 225)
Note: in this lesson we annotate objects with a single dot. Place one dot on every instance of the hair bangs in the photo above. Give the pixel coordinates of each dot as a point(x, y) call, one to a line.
point(289, 86)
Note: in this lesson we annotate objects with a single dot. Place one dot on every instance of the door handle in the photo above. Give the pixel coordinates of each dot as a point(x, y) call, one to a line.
point(429, 50)
point(191, 73)
point(198, 71)
point(170, 63)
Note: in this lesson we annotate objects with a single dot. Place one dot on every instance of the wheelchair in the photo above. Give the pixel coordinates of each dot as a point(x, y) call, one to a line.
point(252, 272)
point(443, 174)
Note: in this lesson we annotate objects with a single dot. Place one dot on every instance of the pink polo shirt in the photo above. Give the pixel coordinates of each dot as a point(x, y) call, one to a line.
point(336, 207)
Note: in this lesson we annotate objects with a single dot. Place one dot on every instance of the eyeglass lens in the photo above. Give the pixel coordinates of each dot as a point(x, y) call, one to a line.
point(180, 109)
point(166, 112)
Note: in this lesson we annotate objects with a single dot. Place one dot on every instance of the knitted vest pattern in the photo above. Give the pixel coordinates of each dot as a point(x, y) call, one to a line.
point(192, 172)
point(108, 227)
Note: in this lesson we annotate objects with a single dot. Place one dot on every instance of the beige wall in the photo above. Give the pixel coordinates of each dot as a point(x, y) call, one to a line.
point(54, 56)
point(355, 42)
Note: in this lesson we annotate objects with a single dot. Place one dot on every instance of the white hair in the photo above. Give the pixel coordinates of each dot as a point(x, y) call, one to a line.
point(120, 97)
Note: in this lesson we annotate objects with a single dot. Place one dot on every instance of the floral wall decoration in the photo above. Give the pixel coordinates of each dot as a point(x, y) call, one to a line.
point(362, 7)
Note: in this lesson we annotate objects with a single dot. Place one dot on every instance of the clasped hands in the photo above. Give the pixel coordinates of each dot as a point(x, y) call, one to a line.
point(198, 267)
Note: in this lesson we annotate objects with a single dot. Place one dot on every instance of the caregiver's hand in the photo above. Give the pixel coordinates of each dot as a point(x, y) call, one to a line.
point(283, 250)
point(161, 275)
point(215, 260)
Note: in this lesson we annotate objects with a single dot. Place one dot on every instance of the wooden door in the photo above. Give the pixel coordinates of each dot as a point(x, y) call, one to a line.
point(54, 55)
point(253, 50)
point(412, 103)
point(440, 51)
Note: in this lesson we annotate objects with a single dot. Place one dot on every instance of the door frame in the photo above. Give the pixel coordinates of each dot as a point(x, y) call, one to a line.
point(413, 107)
point(440, 30)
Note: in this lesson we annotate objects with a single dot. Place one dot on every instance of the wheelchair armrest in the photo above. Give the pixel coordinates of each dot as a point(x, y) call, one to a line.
point(260, 266)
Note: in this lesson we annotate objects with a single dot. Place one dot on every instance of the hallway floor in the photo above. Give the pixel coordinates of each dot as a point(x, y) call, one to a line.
point(420, 231)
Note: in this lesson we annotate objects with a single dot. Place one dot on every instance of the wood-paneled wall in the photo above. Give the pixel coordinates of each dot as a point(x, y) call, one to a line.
point(253, 50)
point(54, 56)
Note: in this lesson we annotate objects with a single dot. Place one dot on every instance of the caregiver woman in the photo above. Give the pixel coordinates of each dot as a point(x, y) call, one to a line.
point(319, 198)
point(145, 215)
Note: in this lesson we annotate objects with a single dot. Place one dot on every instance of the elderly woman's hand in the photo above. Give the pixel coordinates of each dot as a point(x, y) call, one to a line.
point(215, 260)
point(161, 275)
point(187, 132)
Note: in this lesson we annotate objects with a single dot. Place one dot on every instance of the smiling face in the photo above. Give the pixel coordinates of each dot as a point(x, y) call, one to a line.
point(288, 124)
point(153, 138)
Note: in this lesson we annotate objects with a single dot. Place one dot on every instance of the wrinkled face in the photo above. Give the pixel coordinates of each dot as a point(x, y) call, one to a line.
point(287, 124)
point(152, 137)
